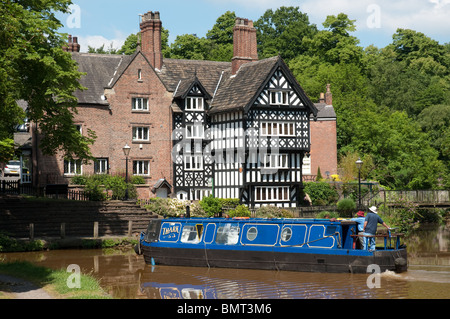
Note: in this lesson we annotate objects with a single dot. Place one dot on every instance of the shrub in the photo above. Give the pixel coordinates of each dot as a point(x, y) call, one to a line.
point(327, 214)
point(117, 186)
point(212, 206)
point(79, 180)
point(273, 212)
point(346, 207)
point(240, 211)
point(94, 189)
point(321, 193)
point(137, 180)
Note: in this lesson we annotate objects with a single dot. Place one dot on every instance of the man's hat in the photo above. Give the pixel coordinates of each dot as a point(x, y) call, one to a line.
point(373, 209)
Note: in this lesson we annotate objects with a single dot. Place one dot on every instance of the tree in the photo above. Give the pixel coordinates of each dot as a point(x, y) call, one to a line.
point(281, 32)
point(34, 68)
point(133, 40)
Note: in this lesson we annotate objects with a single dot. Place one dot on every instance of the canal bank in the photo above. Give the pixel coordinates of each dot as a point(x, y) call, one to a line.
point(25, 218)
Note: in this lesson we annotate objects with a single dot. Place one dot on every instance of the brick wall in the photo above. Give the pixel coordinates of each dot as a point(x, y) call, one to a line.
point(323, 147)
point(114, 128)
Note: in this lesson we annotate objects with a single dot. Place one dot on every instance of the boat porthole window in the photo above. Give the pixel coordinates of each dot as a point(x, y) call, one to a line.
point(286, 234)
point(252, 233)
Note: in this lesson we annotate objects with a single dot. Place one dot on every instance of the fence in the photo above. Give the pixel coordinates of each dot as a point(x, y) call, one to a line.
point(424, 197)
point(15, 187)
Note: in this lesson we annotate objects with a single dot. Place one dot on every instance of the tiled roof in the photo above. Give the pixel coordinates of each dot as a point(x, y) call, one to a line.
point(235, 92)
point(100, 71)
point(229, 92)
point(208, 72)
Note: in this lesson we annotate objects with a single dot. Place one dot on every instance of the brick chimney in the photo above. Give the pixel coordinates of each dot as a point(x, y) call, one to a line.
point(151, 38)
point(72, 45)
point(245, 47)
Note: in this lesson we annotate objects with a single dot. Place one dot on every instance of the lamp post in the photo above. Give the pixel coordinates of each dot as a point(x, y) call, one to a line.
point(126, 151)
point(359, 164)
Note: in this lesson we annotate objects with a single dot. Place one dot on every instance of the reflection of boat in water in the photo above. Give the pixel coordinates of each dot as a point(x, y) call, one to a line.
point(311, 245)
point(171, 291)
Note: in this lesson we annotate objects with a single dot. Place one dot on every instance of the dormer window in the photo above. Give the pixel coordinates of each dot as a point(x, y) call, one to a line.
point(194, 104)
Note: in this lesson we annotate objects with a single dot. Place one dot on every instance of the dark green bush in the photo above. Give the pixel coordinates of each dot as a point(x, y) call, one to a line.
point(321, 193)
point(346, 207)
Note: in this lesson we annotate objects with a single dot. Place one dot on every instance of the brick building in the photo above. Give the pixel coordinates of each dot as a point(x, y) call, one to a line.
point(180, 116)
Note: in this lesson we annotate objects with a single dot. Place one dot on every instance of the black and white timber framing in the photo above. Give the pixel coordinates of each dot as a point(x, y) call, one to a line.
point(247, 141)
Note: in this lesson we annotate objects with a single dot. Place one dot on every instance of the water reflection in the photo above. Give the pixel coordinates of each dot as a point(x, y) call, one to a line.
point(126, 276)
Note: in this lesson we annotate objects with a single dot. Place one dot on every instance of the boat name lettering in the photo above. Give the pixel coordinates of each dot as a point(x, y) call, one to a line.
point(170, 230)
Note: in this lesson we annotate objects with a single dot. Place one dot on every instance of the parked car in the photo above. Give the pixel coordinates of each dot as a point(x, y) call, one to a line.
point(12, 168)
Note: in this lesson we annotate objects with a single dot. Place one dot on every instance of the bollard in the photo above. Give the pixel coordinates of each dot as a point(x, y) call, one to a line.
point(63, 230)
point(130, 227)
point(95, 229)
point(31, 231)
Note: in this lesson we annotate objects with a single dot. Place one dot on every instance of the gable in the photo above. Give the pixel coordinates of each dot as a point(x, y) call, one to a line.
point(279, 83)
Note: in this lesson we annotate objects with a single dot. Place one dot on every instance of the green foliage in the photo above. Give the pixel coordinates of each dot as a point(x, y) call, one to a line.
point(346, 207)
point(273, 212)
point(321, 193)
point(327, 215)
point(101, 187)
point(212, 206)
point(8, 244)
point(137, 180)
point(95, 190)
point(405, 216)
point(40, 73)
point(240, 211)
point(116, 186)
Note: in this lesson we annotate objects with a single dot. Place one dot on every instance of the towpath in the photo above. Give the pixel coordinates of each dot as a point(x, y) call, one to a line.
point(21, 289)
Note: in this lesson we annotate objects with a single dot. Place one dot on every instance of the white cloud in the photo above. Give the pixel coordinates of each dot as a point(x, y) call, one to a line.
point(96, 41)
point(428, 16)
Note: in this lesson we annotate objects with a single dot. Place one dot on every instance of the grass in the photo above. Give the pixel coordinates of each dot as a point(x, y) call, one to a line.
point(55, 281)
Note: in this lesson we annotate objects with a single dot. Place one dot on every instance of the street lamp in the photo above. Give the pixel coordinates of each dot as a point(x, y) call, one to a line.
point(359, 164)
point(126, 151)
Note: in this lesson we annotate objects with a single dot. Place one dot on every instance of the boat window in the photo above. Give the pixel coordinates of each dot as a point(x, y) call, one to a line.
point(227, 234)
point(189, 235)
point(252, 233)
point(286, 234)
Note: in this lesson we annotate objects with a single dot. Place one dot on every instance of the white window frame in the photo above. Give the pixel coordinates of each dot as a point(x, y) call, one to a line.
point(194, 104)
point(276, 161)
point(139, 104)
point(102, 164)
point(277, 129)
point(279, 97)
point(141, 168)
point(272, 193)
point(195, 131)
point(141, 134)
point(73, 167)
point(193, 162)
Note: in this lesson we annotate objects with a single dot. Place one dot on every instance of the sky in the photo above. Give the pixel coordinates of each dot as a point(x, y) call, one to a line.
point(109, 22)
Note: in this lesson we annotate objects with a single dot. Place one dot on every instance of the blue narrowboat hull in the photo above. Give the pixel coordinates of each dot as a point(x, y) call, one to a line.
point(270, 244)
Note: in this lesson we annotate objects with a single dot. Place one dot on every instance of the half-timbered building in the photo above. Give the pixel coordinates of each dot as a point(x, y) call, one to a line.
point(241, 129)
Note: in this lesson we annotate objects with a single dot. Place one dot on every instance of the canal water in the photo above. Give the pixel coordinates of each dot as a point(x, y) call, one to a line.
point(125, 276)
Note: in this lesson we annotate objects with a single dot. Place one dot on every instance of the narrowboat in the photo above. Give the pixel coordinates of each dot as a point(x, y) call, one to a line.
point(307, 245)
